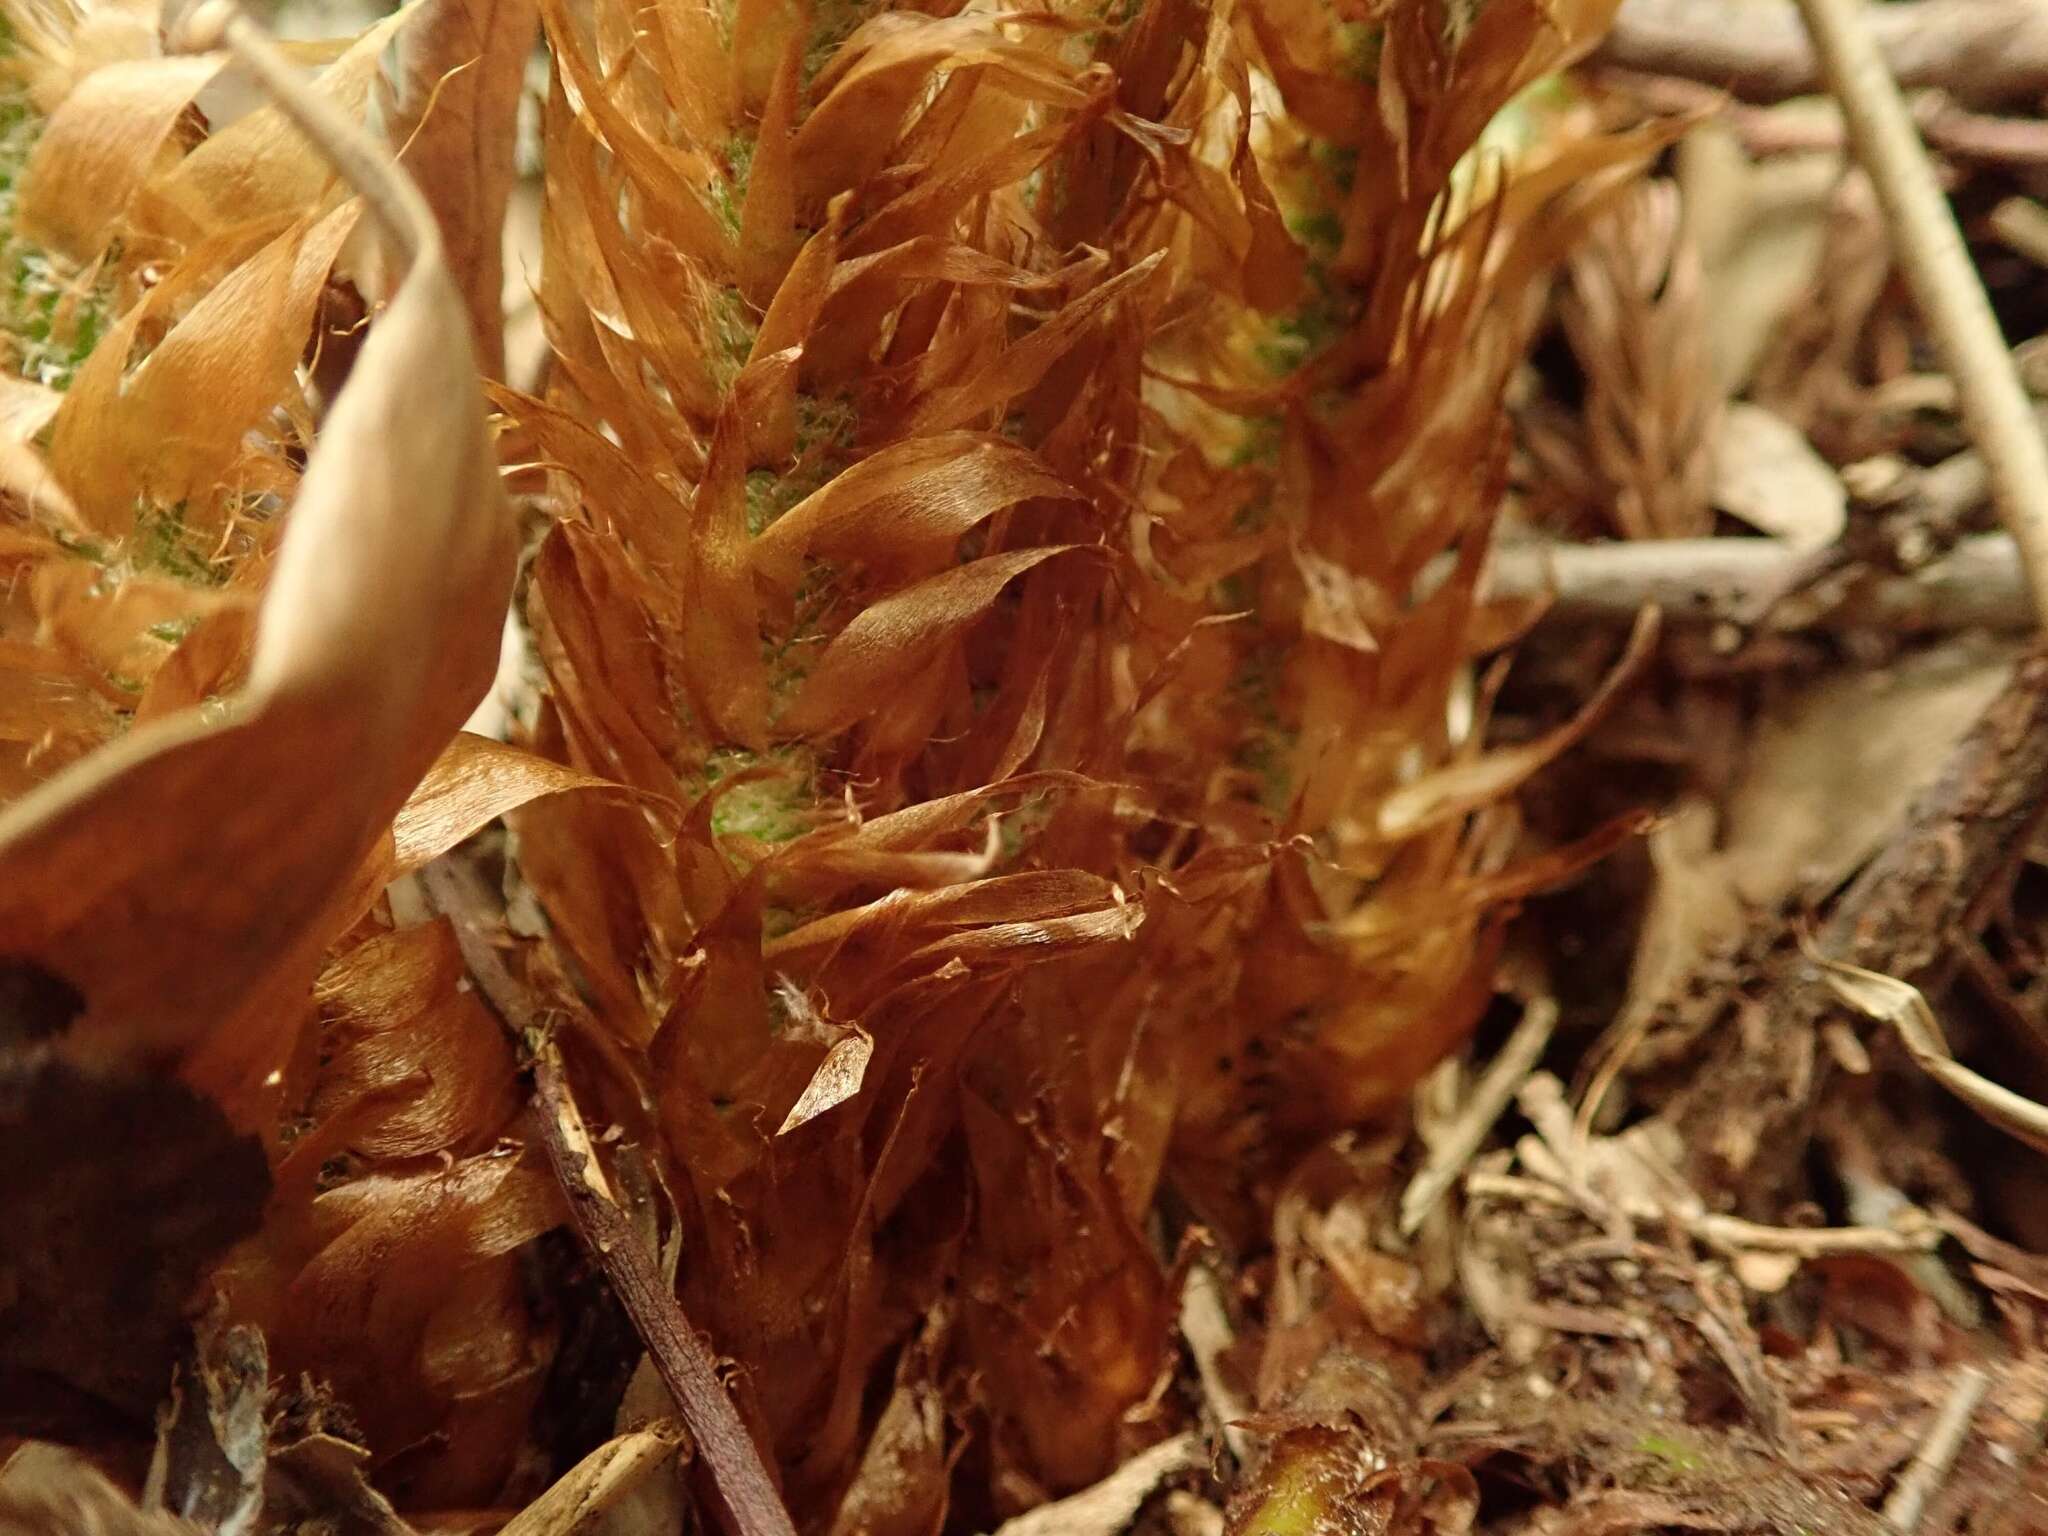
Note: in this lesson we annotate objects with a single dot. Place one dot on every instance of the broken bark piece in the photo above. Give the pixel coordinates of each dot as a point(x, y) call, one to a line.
point(1968, 829)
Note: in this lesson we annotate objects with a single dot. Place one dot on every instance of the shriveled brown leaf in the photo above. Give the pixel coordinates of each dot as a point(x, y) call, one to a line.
point(414, 1063)
point(261, 165)
point(1768, 474)
point(190, 875)
point(1460, 787)
point(837, 1079)
point(471, 784)
point(461, 69)
point(86, 166)
point(903, 635)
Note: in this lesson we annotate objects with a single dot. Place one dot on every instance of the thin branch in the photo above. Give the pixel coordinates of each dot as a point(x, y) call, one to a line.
point(1447, 1159)
point(1731, 1234)
point(1813, 126)
point(1725, 1234)
point(1938, 1451)
point(1205, 1324)
point(1939, 271)
point(1977, 584)
point(678, 1352)
point(2022, 224)
point(1983, 51)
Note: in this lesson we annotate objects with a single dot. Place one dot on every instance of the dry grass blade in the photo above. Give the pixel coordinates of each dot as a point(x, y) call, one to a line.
point(1905, 1008)
point(190, 876)
point(583, 1497)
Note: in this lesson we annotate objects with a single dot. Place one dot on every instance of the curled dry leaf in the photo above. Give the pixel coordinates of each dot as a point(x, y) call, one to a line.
point(188, 877)
point(837, 1079)
point(1768, 474)
point(265, 166)
point(475, 781)
point(85, 168)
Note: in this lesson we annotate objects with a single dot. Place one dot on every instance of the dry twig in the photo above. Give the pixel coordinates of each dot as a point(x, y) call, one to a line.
point(1943, 279)
point(1937, 1452)
point(1447, 1159)
point(1977, 584)
point(1982, 52)
point(1108, 1506)
point(1811, 126)
point(1916, 1232)
point(2022, 224)
point(1205, 1324)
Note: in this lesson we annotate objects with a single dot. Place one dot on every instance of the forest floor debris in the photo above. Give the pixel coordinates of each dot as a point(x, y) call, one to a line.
point(1060, 943)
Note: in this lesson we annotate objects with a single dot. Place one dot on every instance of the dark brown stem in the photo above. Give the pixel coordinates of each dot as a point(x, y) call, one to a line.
point(678, 1352)
point(1966, 832)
